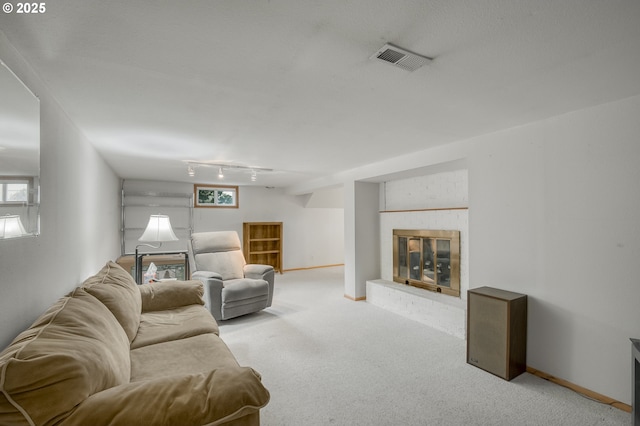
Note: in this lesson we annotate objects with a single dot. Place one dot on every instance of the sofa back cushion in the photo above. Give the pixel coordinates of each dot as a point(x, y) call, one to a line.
point(219, 252)
point(75, 349)
point(171, 294)
point(117, 290)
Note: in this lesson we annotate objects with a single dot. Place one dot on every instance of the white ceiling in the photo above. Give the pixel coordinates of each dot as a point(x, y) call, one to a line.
point(288, 84)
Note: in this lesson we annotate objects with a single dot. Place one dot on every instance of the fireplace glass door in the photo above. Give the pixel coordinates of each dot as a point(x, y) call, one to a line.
point(428, 259)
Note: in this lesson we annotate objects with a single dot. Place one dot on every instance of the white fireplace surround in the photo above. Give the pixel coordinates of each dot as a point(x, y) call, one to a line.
point(435, 201)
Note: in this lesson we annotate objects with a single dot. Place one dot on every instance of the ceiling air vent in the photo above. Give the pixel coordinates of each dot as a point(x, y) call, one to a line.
point(400, 58)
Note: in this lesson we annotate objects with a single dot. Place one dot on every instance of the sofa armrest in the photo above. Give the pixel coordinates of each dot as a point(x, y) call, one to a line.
point(213, 285)
point(163, 295)
point(212, 398)
point(261, 272)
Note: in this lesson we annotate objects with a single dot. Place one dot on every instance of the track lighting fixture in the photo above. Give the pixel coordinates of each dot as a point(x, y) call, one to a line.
point(253, 171)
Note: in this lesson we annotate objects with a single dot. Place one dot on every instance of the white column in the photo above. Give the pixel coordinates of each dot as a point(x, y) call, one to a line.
point(361, 239)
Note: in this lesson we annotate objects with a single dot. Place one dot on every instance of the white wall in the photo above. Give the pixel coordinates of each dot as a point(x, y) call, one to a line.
point(448, 189)
point(554, 212)
point(361, 237)
point(79, 216)
point(313, 236)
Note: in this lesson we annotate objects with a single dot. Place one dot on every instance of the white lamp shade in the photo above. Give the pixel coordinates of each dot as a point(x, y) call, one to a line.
point(11, 227)
point(158, 229)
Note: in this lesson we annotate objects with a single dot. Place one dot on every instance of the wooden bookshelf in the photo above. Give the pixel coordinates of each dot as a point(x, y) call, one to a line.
point(262, 243)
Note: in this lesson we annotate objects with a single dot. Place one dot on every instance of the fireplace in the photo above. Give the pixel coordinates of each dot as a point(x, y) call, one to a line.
point(428, 259)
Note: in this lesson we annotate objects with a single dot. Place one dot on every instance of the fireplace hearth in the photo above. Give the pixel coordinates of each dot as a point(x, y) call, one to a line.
point(428, 259)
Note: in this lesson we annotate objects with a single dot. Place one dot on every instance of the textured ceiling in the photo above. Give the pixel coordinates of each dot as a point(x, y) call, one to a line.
point(288, 84)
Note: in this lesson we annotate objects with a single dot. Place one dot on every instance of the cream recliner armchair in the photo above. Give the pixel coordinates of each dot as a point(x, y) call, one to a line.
point(232, 288)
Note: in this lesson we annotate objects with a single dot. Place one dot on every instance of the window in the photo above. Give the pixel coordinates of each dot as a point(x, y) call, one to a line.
point(215, 196)
point(16, 190)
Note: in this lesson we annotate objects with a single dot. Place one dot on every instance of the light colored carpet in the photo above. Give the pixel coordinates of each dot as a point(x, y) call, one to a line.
point(330, 361)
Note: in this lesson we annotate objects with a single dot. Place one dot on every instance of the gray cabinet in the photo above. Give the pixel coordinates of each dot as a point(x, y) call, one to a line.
point(497, 331)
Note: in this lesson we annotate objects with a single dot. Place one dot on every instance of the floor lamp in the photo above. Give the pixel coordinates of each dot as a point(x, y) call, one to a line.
point(11, 227)
point(158, 231)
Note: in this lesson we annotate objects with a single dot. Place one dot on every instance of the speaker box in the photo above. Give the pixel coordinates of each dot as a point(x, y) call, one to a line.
point(497, 331)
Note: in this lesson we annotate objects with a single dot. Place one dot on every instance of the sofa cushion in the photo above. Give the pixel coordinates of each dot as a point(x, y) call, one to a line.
point(116, 288)
point(193, 355)
point(75, 349)
point(173, 324)
point(171, 294)
point(212, 398)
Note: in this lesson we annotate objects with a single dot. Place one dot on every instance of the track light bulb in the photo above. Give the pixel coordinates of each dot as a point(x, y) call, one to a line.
point(220, 174)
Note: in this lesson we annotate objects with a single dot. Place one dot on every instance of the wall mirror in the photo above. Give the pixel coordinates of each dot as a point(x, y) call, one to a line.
point(19, 158)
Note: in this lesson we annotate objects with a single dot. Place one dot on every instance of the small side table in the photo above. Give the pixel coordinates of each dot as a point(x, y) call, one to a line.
point(177, 263)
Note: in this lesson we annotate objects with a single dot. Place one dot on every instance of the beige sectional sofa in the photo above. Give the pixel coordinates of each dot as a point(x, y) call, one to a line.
point(115, 353)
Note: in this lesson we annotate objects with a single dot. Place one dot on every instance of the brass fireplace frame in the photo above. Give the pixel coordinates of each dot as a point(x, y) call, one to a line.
point(445, 268)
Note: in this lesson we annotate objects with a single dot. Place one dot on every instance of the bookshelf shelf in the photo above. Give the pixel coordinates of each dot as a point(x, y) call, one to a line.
point(262, 243)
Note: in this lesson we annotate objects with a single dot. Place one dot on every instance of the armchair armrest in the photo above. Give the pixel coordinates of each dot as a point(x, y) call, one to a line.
point(261, 272)
point(212, 398)
point(206, 274)
point(257, 272)
point(213, 285)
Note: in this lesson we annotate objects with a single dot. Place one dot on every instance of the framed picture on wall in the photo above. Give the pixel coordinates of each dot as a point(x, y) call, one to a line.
point(215, 196)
